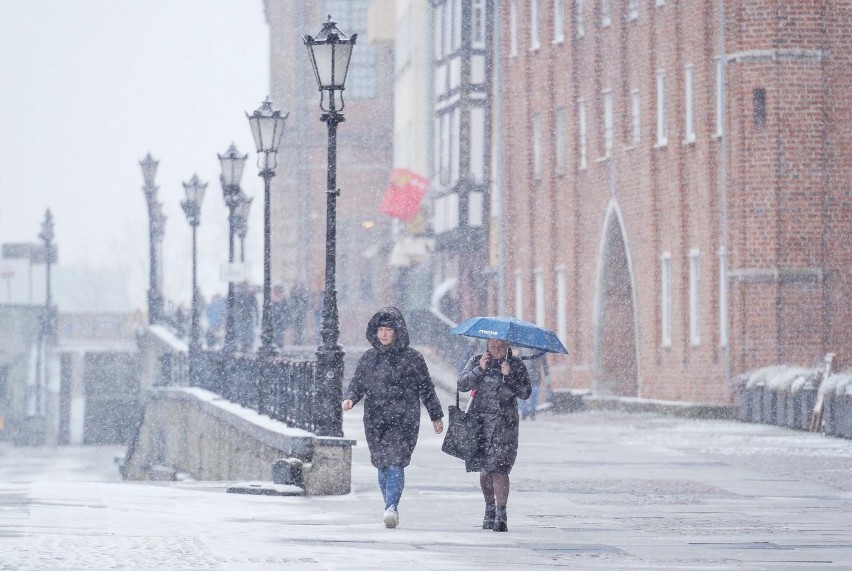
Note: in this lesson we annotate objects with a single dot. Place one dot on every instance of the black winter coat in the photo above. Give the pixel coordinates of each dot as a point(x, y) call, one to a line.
point(392, 381)
point(495, 410)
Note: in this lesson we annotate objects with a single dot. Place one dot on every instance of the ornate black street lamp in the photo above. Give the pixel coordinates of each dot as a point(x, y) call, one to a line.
point(192, 208)
point(232, 171)
point(156, 222)
point(47, 235)
point(242, 222)
point(330, 51)
point(267, 126)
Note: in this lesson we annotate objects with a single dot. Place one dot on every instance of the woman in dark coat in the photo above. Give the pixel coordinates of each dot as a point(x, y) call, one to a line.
point(499, 379)
point(392, 378)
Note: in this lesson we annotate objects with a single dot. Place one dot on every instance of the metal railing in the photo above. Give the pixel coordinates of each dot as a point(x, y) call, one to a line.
point(281, 388)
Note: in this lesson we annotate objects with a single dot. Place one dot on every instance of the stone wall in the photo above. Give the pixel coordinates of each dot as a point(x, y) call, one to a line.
point(193, 431)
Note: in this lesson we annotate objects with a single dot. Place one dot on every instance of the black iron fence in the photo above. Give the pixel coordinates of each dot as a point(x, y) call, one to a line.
point(281, 388)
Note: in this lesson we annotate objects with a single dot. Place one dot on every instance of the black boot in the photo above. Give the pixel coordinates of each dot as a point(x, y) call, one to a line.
point(488, 520)
point(500, 519)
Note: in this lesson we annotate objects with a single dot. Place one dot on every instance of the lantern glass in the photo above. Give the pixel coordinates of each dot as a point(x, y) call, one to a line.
point(232, 166)
point(330, 51)
point(149, 169)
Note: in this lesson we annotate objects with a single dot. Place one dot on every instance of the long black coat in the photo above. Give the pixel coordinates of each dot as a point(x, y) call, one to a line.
point(495, 409)
point(392, 381)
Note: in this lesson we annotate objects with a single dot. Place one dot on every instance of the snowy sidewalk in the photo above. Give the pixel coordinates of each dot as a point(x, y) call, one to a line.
point(589, 491)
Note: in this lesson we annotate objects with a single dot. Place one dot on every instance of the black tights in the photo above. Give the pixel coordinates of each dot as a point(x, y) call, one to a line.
point(494, 487)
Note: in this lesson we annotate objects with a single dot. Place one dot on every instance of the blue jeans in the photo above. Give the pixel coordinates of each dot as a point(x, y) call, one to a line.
point(391, 482)
point(528, 406)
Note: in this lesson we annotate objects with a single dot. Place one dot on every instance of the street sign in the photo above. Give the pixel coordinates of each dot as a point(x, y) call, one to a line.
point(35, 253)
point(236, 272)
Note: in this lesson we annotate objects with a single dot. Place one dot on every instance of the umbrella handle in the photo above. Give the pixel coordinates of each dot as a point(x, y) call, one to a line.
point(530, 357)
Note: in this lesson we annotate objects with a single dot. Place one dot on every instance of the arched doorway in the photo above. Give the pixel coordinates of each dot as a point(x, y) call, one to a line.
point(615, 347)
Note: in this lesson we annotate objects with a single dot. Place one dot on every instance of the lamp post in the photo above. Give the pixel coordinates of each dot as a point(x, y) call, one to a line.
point(267, 126)
point(155, 234)
point(330, 51)
point(242, 223)
point(232, 171)
point(192, 208)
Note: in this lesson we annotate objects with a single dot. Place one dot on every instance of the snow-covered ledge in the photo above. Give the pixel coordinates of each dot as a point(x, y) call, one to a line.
point(193, 431)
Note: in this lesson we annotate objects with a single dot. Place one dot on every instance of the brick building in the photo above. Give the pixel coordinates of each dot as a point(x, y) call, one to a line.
point(676, 188)
point(364, 160)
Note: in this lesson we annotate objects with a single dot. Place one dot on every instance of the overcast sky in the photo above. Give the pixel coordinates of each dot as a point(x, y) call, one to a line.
point(89, 87)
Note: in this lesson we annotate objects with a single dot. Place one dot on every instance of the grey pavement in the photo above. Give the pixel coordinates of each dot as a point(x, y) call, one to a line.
point(590, 490)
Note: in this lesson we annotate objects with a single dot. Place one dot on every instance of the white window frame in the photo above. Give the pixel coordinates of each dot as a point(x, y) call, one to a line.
point(558, 21)
point(562, 303)
point(540, 313)
point(694, 296)
point(519, 294)
point(662, 139)
point(689, 95)
point(633, 10)
point(635, 116)
point(720, 96)
point(581, 126)
point(609, 128)
point(666, 299)
point(513, 28)
point(559, 154)
point(723, 297)
point(535, 43)
point(579, 16)
point(536, 146)
point(606, 13)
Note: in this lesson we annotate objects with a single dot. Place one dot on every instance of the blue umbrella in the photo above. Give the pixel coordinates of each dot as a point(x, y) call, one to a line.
point(512, 330)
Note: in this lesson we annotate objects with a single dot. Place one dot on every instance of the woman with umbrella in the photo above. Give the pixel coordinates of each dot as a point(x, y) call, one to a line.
point(499, 379)
point(392, 378)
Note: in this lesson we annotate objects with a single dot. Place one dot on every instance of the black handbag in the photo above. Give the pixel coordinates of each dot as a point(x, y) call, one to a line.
point(461, 438)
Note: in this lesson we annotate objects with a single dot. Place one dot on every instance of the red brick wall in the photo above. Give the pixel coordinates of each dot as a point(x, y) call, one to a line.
point(788, 200)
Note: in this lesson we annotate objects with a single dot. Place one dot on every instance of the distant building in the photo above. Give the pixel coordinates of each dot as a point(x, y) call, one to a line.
point(364, 160)
point(461, 133)
point(676, 189)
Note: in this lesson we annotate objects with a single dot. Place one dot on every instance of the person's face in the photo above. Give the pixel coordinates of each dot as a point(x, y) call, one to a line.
point(386, 335)
point(497, 348)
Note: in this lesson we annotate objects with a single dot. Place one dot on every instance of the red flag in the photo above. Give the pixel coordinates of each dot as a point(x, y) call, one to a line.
point(403, 195)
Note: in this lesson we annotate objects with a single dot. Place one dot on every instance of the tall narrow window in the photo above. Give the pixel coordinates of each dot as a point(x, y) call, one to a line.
point(606, 13)
point(513, 28)
point(759, 100)
point(633, 10)
point(539, 297)
point(558, 21)
point(723, 297)
point(666, 299)
point(720, 96)
point(560, 141)
point(562, 303)
point(536, 145)
point(534, 43)
point(519, 294)
point(578, 15)
point(608, 122)
point(694, 306)
point(478, 23)
point(662, 139)
point(689, 123)
point(439, 34)
point(635, 116)
point(581, 124)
